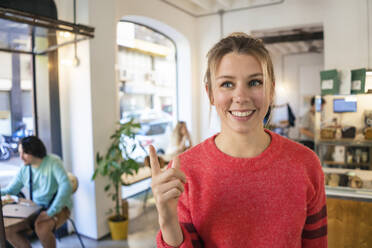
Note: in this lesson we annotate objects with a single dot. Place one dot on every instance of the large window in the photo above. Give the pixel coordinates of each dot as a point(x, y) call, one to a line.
point(16, 108)
point(29, 105)
point(148, 84)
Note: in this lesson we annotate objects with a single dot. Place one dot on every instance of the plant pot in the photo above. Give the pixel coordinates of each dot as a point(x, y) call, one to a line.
point(118, 228)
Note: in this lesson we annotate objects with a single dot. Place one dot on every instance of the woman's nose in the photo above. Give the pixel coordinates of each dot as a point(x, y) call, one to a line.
point(241, 94)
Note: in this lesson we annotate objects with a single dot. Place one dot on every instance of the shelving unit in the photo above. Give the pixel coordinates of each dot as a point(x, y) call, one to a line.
point(354, 160)
point(360, 152)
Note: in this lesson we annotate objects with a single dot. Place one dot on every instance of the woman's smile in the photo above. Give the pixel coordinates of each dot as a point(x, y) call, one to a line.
point(242, 114)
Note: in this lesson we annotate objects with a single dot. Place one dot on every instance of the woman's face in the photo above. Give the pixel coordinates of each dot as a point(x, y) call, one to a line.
point(238, 94)
point(26, 158)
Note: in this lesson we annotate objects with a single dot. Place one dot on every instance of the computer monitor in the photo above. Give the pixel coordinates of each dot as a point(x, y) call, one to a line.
point(2, 227)
point(341, 105)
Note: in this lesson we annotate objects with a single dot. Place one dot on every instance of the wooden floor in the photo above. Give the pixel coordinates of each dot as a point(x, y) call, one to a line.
point(349, 223)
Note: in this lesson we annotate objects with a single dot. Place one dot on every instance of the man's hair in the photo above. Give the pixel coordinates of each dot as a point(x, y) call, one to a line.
point(312, 101)
point(34, 146)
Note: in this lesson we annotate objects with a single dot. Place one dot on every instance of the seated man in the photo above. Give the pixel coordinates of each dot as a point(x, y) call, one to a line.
point(50, 189)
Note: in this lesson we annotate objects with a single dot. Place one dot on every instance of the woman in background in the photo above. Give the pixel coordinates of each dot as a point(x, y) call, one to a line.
point(180, 141)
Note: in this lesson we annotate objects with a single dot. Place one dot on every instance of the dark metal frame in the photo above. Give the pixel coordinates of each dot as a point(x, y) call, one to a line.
point(85, 31)
point(304, 36)
point(53, 25)
point(40, 21)
point(2, 227)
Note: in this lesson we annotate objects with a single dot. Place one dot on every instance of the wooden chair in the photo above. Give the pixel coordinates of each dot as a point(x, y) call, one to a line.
point(2, 228)
point(74, 184)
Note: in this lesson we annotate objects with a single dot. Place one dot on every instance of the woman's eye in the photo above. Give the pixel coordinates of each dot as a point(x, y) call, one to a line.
point(255, 82)
point(227, 84)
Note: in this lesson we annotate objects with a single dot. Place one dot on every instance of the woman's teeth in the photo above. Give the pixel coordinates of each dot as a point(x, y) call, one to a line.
point(241, 114)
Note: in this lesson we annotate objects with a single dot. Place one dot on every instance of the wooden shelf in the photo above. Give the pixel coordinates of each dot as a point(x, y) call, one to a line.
point(334, 163)
point(343, 163)
point(344, 142)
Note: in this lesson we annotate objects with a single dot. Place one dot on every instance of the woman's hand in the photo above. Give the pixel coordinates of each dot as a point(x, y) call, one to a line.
point(167, 187)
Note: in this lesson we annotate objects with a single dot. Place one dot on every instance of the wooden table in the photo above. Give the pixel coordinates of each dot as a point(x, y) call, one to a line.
point(13, 221)
point(10, 221)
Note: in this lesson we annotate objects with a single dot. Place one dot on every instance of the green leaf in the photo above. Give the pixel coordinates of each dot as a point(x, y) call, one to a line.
point(134, 148)
point(107, 187)
point(94, 175)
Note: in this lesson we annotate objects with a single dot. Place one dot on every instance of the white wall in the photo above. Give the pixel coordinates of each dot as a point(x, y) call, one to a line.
point(89, 111)
point(345, 34)
point(43, 100)
point(77, 135)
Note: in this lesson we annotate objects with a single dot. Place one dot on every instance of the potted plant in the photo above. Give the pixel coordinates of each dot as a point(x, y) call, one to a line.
point(116, 162)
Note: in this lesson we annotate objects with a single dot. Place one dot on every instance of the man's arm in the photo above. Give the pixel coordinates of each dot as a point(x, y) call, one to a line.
point(64, 189)
point(15, 185)
point(307, 132)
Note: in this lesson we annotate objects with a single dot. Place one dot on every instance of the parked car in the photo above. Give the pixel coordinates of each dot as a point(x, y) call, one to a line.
point(156, 129)
point(156, 133)
point(145, 115)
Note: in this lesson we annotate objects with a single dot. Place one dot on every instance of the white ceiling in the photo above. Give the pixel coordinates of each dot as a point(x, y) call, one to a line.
point(200, 8)
point(206, 7)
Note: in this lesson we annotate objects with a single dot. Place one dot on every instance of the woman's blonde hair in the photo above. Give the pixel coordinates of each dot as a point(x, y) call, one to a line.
point(177, 132)
point(240, 43)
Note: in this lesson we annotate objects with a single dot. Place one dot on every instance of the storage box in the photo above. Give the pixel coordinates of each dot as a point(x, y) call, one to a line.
point(355, 182)
point(348, 132)
point(368, 133)
point(328, 133)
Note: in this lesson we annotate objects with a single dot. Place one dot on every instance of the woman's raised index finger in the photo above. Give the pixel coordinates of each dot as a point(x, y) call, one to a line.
point(154, 162)
point(176, 163)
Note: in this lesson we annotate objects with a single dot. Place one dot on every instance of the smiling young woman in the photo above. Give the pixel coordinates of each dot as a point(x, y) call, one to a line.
point(245, 186)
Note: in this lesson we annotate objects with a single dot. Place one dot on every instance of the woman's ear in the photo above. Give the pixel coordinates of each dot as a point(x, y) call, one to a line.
point(210, 95)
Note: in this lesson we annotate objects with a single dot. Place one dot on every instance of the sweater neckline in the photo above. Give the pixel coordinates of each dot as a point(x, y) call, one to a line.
point(261, 161)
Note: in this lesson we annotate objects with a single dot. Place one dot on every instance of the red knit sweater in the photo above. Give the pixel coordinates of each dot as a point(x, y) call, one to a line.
point(276, 199)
